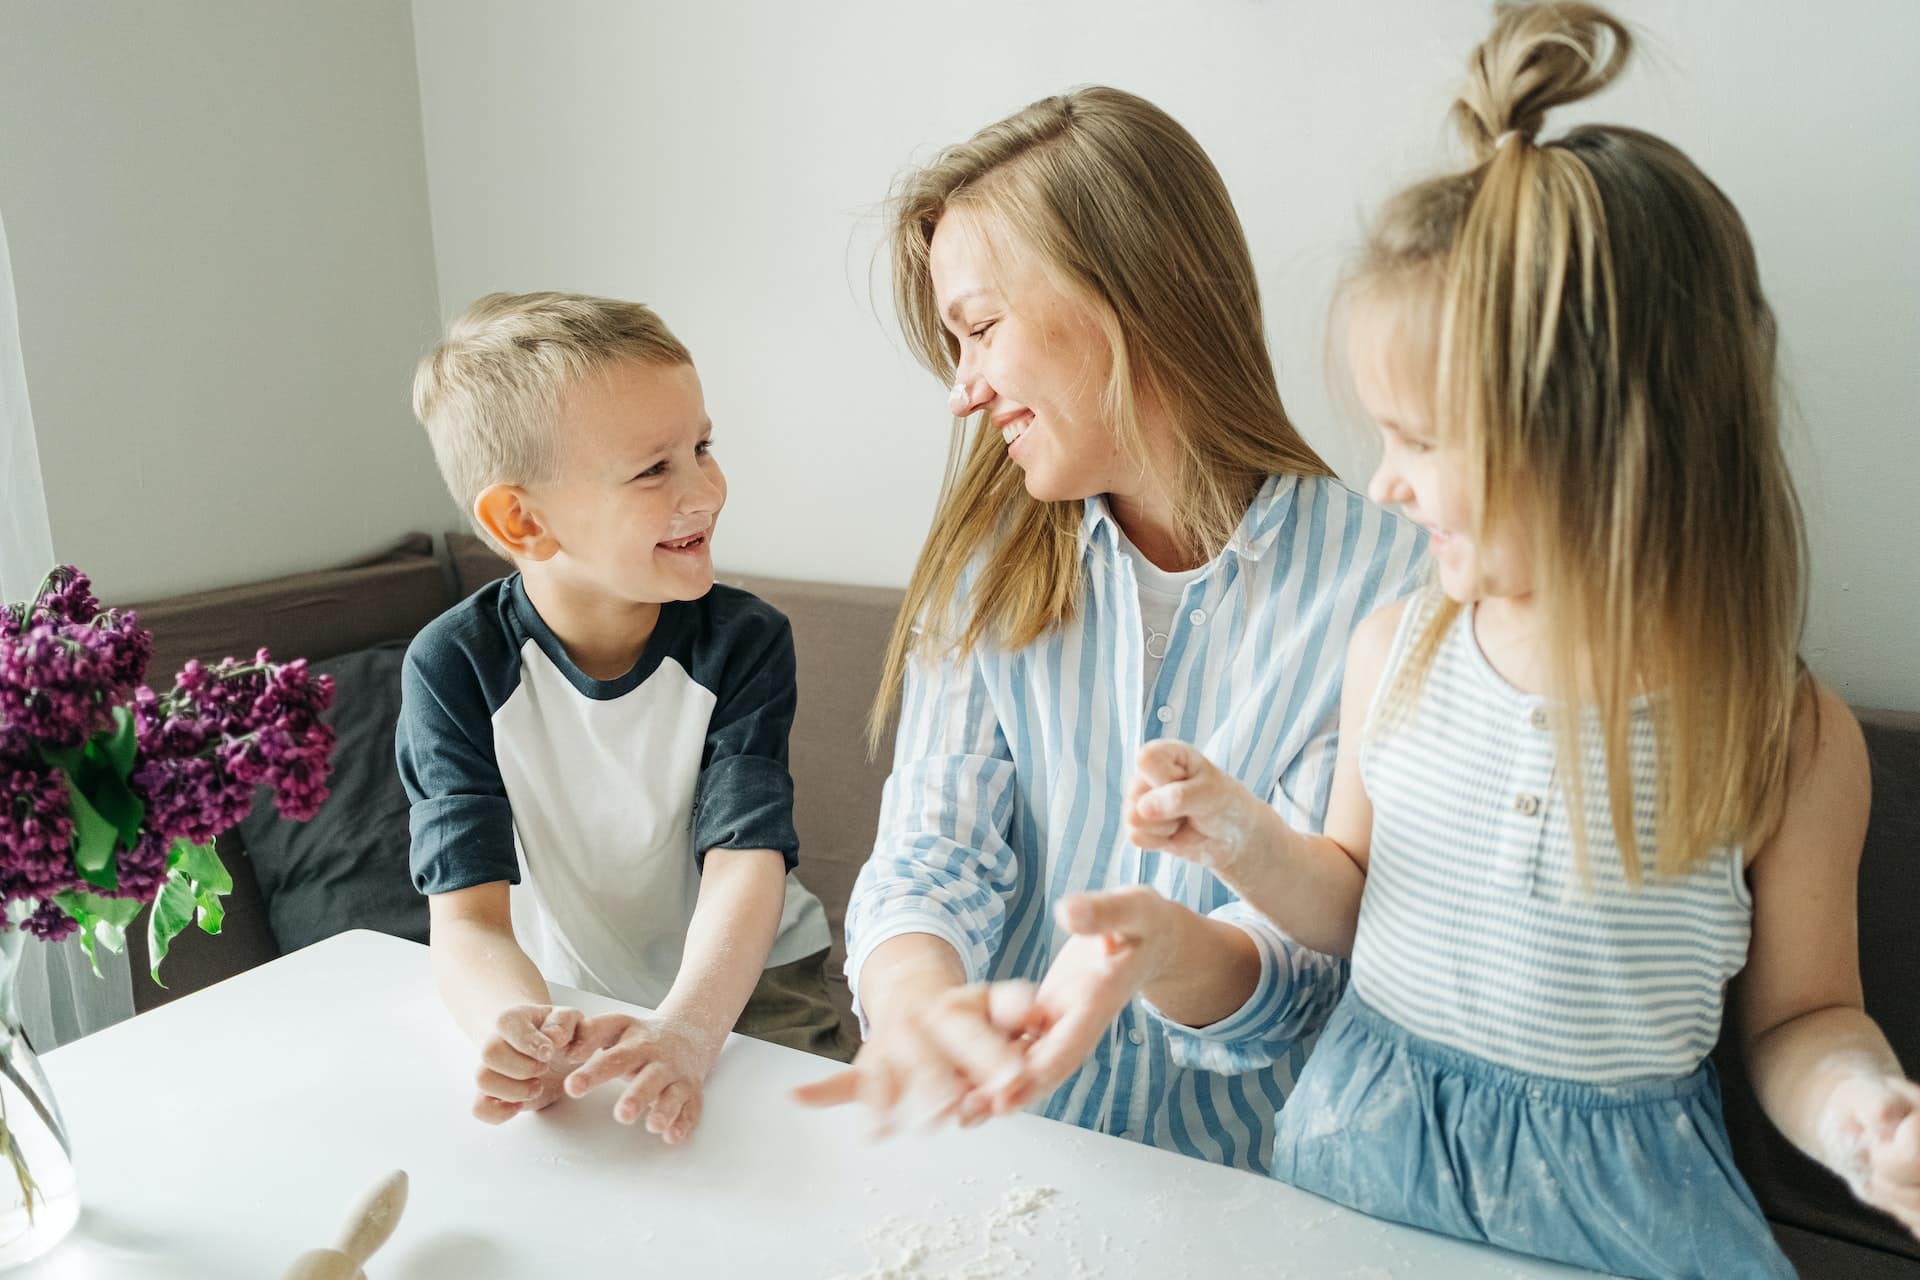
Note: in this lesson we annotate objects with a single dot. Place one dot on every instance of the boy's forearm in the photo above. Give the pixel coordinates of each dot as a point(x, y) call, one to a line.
point(734, 922)
point(1796, 1065)
point(481, 970)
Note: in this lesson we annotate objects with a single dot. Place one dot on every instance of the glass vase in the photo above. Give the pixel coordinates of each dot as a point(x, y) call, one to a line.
point(39, 1200)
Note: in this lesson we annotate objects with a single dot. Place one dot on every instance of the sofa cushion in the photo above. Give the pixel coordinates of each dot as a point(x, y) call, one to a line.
point(1794, 1190)
point(347, 867)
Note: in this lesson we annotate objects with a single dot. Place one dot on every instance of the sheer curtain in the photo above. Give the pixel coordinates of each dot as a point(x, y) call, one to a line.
point(59, 997)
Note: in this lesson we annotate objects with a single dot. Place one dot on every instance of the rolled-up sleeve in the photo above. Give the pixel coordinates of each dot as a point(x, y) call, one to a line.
point(1293, 999)
point(941, 862)
point(459, 819)
point(745, 795)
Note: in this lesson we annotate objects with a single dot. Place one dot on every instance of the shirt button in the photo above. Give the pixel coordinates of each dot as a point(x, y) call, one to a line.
point(1134, 1036)
point(1539, 718)
point(1526, 805)
point(1164, 715)
point(1197, 617)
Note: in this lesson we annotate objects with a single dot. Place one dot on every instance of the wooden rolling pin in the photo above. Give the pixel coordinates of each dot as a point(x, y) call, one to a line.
point(370, 1222)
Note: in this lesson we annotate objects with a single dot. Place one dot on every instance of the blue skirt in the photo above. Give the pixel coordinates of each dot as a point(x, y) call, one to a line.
point(1635, 1180)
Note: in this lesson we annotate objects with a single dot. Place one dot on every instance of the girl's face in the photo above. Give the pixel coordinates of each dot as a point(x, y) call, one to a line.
point(1033, 360)
point(1428, 478)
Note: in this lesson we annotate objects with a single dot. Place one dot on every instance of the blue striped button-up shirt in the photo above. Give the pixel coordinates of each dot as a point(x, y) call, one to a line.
point(1010, 768)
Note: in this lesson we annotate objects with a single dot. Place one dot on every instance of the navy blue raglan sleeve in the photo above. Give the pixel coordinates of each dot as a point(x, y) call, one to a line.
point(745, 795)
point(460, 820)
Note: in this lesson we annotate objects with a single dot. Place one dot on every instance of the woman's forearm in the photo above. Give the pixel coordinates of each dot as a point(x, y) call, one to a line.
point(905, 972)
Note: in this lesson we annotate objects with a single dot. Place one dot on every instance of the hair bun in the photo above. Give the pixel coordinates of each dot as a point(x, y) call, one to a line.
point(1538, 57)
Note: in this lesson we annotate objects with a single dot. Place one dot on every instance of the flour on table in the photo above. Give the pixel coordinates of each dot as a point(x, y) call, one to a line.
point(975, 1246)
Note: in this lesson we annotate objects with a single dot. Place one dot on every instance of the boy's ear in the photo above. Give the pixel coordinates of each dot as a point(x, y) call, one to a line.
point(506, 512)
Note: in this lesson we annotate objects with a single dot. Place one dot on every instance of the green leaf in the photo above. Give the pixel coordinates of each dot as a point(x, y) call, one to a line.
point(103, 918)
point(91, 909)
point(118, 747)
point(203, 866)
point(117, 803)
point(93, 838)
point(171, 913)
point(212, 914)
point(66, 759)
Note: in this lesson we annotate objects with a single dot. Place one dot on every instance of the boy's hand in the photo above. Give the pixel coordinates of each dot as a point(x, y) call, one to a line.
point(1184, 804)
point(524, 1060)
point(665, 1059)
point(1871, 1129)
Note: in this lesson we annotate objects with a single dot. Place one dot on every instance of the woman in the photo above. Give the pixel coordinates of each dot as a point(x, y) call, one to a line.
point(1134, 543)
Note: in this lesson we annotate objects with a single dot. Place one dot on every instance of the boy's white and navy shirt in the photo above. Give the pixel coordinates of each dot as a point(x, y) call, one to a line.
point(597, 800)
point(1010, 767)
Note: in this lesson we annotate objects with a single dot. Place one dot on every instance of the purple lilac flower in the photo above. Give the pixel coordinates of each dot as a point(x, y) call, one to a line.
point(123, 647)
point(52, 687)
point(191, 798)
point(49, 923)
point(36, 834)
point(143, 868)
point(66, 596)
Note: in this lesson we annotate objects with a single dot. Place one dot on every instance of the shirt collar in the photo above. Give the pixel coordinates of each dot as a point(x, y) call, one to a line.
point(1266, 516)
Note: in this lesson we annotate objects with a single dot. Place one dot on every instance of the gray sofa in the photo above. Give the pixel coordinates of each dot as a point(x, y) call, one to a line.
point(840, 633)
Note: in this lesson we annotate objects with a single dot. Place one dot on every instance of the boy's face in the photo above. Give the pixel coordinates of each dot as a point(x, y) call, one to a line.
point(638, 490)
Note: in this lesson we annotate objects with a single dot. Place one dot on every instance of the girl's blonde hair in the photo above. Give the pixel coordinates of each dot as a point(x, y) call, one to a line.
point(1124, 213)
point(489, 395)
point(1606, 359)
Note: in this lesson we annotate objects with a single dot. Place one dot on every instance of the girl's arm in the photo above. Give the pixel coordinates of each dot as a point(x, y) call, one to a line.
point(1309, 885)
point(1822, 1069)
point(1196, 970)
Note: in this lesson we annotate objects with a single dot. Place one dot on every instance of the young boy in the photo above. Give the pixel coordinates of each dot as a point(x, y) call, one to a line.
point(596, 745)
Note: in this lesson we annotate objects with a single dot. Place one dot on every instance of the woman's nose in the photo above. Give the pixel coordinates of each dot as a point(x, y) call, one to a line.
point(968, 393)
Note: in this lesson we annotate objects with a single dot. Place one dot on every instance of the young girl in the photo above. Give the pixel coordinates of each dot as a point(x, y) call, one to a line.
point(1587, 780)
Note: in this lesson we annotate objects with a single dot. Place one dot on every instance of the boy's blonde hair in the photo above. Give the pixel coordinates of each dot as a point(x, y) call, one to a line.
point(1127, 216)
point(1606, 358)
point(489, 394)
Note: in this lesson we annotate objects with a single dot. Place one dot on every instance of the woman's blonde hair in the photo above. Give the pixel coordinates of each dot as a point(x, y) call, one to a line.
point(489, 395)
point(1605, 357)
point(1125, 215)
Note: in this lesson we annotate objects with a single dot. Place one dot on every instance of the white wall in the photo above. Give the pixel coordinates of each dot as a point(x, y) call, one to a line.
point(727, 162)
point(218, 221)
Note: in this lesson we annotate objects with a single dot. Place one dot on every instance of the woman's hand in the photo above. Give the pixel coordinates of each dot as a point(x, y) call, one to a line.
point(1120, 942)
point(957, 1054)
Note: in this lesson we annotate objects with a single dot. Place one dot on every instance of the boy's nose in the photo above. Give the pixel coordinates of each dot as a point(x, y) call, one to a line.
point(705, 494)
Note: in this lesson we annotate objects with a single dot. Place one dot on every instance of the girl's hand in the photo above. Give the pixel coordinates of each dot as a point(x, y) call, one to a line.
point(1870, 1129)
point(1184, 804)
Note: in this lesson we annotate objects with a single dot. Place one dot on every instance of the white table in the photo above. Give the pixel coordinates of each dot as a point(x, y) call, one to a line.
point(220, 1135)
